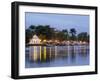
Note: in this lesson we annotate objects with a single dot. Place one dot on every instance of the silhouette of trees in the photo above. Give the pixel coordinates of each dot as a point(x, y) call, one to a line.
point(73, 34)
point(83, 36)
point(46, 32)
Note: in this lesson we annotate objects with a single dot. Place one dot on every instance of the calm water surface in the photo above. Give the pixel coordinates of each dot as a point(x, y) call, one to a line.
point(55, 56)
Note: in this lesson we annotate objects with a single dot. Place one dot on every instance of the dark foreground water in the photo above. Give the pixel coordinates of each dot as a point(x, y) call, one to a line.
point(55, 56)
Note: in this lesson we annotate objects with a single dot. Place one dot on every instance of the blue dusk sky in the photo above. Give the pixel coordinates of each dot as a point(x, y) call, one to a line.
point(58, 21)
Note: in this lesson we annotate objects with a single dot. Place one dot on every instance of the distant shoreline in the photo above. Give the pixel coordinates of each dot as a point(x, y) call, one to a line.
point(54, 44)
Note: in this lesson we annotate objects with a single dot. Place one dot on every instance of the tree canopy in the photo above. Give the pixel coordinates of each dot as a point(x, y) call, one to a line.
point(46, 32)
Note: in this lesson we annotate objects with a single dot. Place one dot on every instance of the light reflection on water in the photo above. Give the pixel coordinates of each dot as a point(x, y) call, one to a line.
point(51, 56)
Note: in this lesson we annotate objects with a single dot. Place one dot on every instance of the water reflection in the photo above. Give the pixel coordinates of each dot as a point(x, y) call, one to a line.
point(72, 54)
point(44, 56)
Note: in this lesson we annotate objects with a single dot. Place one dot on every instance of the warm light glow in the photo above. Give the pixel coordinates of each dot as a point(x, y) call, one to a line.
point(35, 40)
point(80, 42)
point(45, 53)
point(44, 40)
point(35, 53)
point(40, 40)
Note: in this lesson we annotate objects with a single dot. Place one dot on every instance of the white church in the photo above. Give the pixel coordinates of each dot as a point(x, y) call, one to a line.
point(35, 40)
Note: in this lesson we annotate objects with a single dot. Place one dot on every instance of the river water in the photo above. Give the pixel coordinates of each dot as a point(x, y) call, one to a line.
point(56, 56)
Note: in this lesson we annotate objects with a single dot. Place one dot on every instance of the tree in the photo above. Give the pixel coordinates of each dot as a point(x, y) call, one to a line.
point(32, 27)
point(66, 34)
point(60, 36)
point(65, 31)
point(44, 30)
point(73, 34)
point(83, 37)
point(28, 36)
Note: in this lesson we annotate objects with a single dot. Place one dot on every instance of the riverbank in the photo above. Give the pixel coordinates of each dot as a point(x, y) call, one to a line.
point(55, 44)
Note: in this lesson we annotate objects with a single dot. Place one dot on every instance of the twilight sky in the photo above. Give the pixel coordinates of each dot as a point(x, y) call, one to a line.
point(58, 21)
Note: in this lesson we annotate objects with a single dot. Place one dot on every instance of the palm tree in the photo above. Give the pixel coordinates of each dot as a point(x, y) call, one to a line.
point(73, 34)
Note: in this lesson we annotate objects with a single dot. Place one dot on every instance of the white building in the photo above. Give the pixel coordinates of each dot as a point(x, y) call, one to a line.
point(35, 40)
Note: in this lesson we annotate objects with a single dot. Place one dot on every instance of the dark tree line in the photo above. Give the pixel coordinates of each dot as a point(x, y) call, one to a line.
point(50, 33)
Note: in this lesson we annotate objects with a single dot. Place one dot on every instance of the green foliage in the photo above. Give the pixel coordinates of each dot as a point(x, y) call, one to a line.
point(83, 36)
point(46, 32)
point(28, 35)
